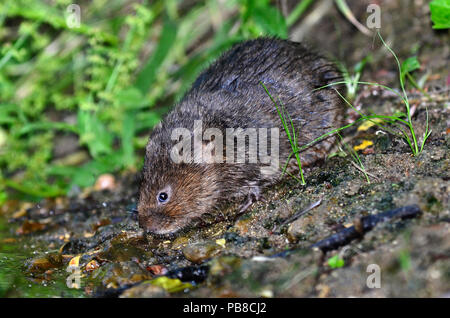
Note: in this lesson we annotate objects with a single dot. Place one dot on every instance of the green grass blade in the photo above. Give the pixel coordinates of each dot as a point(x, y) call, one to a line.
point(148, 74)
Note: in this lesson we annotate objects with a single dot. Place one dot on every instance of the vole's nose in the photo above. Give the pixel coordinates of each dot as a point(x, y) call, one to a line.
point(147, 221)
point(142, 220)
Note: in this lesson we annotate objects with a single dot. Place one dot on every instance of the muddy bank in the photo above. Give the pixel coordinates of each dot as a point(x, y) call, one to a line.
point(96, 232)
point(244, 256)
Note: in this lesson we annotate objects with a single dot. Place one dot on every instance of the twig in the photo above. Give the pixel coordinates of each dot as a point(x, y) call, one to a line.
point(298, 214)
point(361, 225)
point(363, 171)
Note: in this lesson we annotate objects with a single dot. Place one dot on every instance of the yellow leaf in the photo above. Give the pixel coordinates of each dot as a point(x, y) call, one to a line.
point(172, 285)
point(19, 213)
point(363, 145)
point(221, 242)
point(266, 293)
point(75, 261)
point(369, 123)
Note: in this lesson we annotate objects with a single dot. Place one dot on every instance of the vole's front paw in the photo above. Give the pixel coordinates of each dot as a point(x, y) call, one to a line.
point(254, 195)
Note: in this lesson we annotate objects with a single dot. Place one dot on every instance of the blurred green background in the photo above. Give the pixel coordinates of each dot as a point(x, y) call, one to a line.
point(79, 102)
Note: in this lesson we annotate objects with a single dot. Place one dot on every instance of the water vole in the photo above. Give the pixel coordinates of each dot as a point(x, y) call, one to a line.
point(179, 185)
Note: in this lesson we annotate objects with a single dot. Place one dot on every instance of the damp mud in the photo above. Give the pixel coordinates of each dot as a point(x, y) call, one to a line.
point(89, 244)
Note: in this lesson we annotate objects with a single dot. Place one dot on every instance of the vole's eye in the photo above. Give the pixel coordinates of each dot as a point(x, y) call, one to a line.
point(162, 197)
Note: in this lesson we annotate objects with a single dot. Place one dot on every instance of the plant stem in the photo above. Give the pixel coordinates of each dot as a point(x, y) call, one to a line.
point(414, 149)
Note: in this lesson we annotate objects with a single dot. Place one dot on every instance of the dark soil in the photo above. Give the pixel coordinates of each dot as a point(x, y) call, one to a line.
point(247, 255)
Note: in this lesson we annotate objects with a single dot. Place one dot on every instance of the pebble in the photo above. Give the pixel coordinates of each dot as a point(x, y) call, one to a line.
point(200, 251)
point(298, 229)
point(105, 182)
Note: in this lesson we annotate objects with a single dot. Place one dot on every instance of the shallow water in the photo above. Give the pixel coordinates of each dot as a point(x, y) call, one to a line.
point(16, 281)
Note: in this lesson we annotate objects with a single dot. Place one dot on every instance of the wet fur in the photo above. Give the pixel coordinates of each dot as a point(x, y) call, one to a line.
point(228, 95)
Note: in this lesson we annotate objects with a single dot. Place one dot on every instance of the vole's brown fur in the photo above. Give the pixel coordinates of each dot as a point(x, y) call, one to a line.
point(229, 94)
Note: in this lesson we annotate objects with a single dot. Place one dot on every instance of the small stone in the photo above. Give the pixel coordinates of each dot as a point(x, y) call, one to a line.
point(438, 154)
point(298, 229)
point(352, 189)
point(200, 251)
point(180, 242)
point(41, 265)
point(120, 274)
point(242, 226)
point(105, 182)
point(266, 293)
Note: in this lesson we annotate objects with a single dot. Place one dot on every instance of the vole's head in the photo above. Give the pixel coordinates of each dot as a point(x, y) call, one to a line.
point(173, 195)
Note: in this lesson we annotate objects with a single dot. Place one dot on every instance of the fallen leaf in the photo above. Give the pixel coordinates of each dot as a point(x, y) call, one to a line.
point(221, 242)
point(29, 227)
point(75, 261)
point(336, 261)
point(9, 240)
point(369, 123)
point(172, 285)
point(363, 145)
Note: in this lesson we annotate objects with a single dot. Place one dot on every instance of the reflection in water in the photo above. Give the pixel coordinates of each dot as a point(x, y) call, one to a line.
point(15, 278)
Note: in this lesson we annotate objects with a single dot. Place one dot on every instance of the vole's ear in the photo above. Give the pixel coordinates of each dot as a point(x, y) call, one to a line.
point(158, 126)
point(151, 143)
point(151, 146)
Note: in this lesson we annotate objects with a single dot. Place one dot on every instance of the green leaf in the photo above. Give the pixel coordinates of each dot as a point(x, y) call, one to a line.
point(440, 14)
point(147, 76)
point(128, 128)
point(39, 11)
point(3, 197)
point(410, 64)
point(146, 120)
point(46, 125)
point(3, 138)
point(93, 133)
point(172, 285)
point(336, 262)
point(358, 68)
point(131, 98)
point(34, 189)
point(86, 175)
point(301, 7)
point(270, 21)
point(404, 259)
